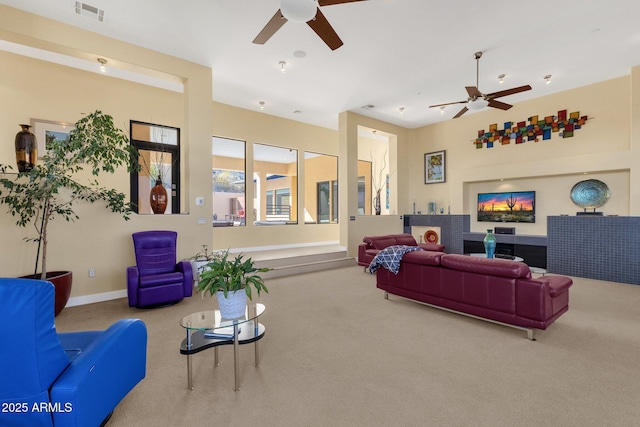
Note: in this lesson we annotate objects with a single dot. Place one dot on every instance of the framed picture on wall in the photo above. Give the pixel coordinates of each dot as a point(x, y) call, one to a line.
point(46, 131)
point(435, 167)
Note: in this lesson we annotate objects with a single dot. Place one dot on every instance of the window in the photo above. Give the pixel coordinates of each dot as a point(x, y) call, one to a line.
point(229, 201)
point(156, 187)
point(276, 185)
point(320, 188)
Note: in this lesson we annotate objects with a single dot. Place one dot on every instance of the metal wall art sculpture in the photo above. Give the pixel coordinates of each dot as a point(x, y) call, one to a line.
point(533, 129)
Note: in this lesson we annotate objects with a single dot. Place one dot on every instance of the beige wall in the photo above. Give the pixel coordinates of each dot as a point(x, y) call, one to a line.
point(354, 226)
point(602, 148)
point(37, 89)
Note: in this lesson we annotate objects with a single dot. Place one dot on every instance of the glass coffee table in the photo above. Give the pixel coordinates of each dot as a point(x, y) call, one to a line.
point(498, 256)
point(207, 329)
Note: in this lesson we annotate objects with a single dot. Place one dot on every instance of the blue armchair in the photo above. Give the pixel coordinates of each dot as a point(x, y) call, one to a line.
point(157, 279)
point(65, 379)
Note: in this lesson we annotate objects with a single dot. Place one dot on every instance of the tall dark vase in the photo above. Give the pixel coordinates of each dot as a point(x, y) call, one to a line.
point(26, 149)
point(489, 244)
point(376, 203)
point(158, 197)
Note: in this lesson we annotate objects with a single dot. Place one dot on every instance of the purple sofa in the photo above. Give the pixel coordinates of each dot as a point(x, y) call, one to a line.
point(497, 290)
point(157, 279)
point(374, 244)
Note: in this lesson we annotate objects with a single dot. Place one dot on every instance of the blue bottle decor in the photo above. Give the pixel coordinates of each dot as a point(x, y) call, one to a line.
point(489, 244)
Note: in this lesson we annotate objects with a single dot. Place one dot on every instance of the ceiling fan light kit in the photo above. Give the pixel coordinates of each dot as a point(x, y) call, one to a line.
point(478, 104)
point(302, 11)
point(299, 10)
point(478, 100)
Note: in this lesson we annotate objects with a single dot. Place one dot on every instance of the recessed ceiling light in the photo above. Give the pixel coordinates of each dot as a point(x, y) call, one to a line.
point(297, 112)
point(299, 53)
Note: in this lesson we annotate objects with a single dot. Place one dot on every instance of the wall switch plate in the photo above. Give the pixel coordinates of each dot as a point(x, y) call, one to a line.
point(92, 272)
point(199, 201)
point(202, 220)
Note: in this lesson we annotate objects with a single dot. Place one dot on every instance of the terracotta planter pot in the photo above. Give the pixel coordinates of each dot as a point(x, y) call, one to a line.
point(62, 283)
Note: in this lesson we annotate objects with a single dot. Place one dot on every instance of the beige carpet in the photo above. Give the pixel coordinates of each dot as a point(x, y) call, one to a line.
point(336, 353)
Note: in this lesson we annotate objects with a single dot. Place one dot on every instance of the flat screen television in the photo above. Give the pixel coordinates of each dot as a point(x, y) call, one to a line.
point(508, 206)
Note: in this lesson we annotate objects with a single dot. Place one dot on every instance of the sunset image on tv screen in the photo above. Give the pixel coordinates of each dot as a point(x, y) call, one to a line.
point(511, 206)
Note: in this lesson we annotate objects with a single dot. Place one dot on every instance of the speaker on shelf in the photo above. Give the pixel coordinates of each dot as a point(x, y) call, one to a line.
point(504, 230)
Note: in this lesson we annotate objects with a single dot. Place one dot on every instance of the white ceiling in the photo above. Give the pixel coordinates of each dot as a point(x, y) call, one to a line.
point(396, 53)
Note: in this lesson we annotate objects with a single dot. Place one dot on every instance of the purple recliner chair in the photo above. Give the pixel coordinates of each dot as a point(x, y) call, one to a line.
point(157, 279)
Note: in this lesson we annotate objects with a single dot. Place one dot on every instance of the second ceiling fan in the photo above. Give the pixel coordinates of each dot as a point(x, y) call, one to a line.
point(478, 100)
point(303, 11)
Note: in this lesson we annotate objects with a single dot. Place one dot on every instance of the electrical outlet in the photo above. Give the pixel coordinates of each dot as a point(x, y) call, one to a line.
point(202, 220)
point(92, 272)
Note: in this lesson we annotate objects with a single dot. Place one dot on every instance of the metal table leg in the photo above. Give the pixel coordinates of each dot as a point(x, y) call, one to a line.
point(189, 369)
point(236, 356)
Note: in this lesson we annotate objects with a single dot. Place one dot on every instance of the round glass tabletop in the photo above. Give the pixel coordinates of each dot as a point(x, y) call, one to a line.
point(211, 319)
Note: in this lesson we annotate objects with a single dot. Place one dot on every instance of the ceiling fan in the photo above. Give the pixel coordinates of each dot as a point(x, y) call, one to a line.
point(303, 11)
point(478, 100)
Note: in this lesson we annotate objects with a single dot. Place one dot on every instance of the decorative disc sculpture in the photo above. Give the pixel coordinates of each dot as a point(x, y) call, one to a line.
point(590, 194)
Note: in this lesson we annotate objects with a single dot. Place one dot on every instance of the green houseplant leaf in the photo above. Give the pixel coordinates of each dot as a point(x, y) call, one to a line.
point(229, 274)
point(52, 188)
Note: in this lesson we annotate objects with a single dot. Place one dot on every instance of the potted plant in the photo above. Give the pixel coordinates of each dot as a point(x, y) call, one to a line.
point(230, 279)
point(52, 187)
point(200, 260)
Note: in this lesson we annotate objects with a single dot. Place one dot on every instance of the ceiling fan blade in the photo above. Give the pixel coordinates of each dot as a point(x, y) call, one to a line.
point(270, 29)
point(509, 91)
point(330, 2)
point(498, 104)
point(448, 103)
point(473, 92)
point(321, 26)
point(461, 112)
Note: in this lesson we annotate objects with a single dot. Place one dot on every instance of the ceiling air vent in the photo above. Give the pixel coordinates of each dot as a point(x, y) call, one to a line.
point(89, 11)
point(368, 106)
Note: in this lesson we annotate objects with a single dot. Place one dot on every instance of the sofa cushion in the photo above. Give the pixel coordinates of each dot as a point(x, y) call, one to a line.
point(436, 247)
point(404, 239)
point(423, 257)
point(160, 279)
point(383, 242)
point(493, 267)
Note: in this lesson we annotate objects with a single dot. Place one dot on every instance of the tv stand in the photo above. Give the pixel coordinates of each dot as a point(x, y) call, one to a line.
point(533, 249)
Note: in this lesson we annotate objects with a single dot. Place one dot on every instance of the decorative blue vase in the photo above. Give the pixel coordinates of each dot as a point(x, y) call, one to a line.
point(489, 244)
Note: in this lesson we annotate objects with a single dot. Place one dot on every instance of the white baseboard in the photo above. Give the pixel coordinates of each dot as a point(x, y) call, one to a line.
point(90, 299)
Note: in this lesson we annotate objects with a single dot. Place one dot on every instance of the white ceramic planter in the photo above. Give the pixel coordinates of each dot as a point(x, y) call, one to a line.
point(234, 305)
point(197, 267)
